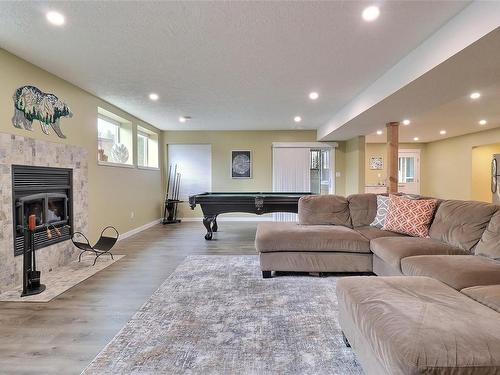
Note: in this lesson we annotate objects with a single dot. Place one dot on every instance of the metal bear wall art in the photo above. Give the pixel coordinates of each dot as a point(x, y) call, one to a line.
point(30, 104)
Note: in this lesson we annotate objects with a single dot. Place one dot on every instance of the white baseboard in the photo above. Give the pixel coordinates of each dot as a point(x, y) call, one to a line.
point(138, 229)
point(233, 218)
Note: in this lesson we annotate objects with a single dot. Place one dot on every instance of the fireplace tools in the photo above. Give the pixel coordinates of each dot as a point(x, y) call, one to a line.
point(172, 197)
point(31, 277)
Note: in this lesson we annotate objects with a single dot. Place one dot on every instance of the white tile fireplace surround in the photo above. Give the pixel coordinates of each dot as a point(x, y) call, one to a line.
point(19, 150)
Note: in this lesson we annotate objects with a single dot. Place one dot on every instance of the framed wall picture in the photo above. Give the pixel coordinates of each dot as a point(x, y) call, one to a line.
point(376, 162)
point(241, 164)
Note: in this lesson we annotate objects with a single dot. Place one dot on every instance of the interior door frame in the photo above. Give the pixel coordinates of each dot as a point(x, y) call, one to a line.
point(416, 151)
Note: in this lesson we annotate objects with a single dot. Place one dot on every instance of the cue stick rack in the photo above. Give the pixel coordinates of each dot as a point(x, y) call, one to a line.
point(172, 196)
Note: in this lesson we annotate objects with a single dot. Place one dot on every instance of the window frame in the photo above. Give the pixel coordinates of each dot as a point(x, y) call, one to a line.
point(145, 155)
point(111, 121)
point(150, 136)
point(121, 126)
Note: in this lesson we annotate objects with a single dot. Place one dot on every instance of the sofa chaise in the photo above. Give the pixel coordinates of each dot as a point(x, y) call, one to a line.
point(434, 307)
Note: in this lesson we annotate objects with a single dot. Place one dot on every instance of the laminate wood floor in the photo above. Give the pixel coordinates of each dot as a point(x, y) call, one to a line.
point(64, 335)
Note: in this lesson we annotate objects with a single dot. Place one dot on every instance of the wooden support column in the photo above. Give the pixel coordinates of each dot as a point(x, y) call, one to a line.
point(392, 156)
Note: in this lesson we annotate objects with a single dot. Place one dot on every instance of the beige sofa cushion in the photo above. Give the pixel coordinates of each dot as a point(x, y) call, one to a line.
point(363, 208)
point(372, 232)
point(489, 244)
point(488, 295)
point(275, 236)
point(324, 210)
point(458, 271)
point(392, 249)
point(417, 325)
point(461, 223)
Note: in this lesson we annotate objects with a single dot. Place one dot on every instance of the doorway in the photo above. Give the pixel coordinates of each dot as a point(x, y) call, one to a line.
point(409, 171)
point(302, 167)
point(320, 171)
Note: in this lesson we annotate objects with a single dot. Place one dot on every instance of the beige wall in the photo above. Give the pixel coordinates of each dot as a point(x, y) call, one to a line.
point(379, 149)
point(260, 142)
point(340, 169)
point(448, 170)
point(481, 171)
point(354, 165)
point(113, 192)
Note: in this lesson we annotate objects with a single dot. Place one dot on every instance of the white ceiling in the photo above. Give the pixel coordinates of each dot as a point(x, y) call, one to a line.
point(229, 65)
point(439, 100)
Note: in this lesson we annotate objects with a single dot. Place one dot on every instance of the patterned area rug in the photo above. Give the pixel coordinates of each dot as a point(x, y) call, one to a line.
point(62, 279)
point(216, 315)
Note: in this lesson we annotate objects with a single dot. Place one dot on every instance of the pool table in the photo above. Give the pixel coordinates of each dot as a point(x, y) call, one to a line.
point(214, 204)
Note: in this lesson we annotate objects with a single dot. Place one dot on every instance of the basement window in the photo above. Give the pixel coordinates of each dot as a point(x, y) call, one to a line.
point(114, 140)
point(147, 148)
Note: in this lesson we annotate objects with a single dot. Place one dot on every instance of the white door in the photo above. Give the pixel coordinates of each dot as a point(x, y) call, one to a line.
point(409, 171)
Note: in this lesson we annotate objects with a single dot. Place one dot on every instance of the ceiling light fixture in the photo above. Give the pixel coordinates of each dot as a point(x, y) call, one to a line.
point(379, 132)
point(313, 95)
point(154, 96)
point(406, 122)
point(416, 139)
point(184, 119)
point(483, 122)
point(442, 132)
point(297, 119)
point(55, 18)
point(475, 95)
point(370, 13)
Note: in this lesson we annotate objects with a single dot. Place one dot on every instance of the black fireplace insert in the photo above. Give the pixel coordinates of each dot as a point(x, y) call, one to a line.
point(46, 193)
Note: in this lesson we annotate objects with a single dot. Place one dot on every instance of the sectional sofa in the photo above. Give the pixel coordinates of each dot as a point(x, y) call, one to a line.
point(434, 307)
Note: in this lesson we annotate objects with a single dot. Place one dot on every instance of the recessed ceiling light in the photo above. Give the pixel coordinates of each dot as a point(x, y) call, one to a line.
point(379, 132)
point(371, 13)
point(184, 119)
point(442, 132)
point(406, 122)
point(55, 18)
point(483, 122)
point(297, 119)
point(153, 96)
point(313, 95)
point(475, 95)
point(416, 139)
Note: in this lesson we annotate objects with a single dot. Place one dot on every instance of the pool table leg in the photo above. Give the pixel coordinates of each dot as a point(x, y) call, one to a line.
point(214, 225)
point(208, 223)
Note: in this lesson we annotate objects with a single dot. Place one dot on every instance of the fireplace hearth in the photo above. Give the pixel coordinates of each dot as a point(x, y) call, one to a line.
point(46, 193)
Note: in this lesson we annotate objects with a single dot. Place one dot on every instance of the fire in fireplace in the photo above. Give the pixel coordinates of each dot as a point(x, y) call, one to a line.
point(47, 194)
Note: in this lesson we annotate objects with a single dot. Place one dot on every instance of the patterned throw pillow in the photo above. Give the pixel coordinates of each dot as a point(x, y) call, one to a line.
point(382, 206)
point(409, 216)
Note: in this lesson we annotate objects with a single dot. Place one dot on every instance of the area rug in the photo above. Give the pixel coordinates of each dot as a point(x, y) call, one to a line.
point(216, 315)
point(62, 279)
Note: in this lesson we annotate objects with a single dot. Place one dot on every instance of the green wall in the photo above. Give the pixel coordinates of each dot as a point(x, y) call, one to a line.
point(260, 142)
point(355, 165)
point(114, 192)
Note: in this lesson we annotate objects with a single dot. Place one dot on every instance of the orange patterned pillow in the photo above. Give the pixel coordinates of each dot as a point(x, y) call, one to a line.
point(409, 216)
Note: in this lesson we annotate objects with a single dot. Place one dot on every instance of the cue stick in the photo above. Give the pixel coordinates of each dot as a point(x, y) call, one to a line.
point(173, 180)
point(168, 180)
point(177, 196)
point(177, 186)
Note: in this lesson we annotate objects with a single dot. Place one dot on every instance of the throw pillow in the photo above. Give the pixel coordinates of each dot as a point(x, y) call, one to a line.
point(382, 206)
point(409, 216)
